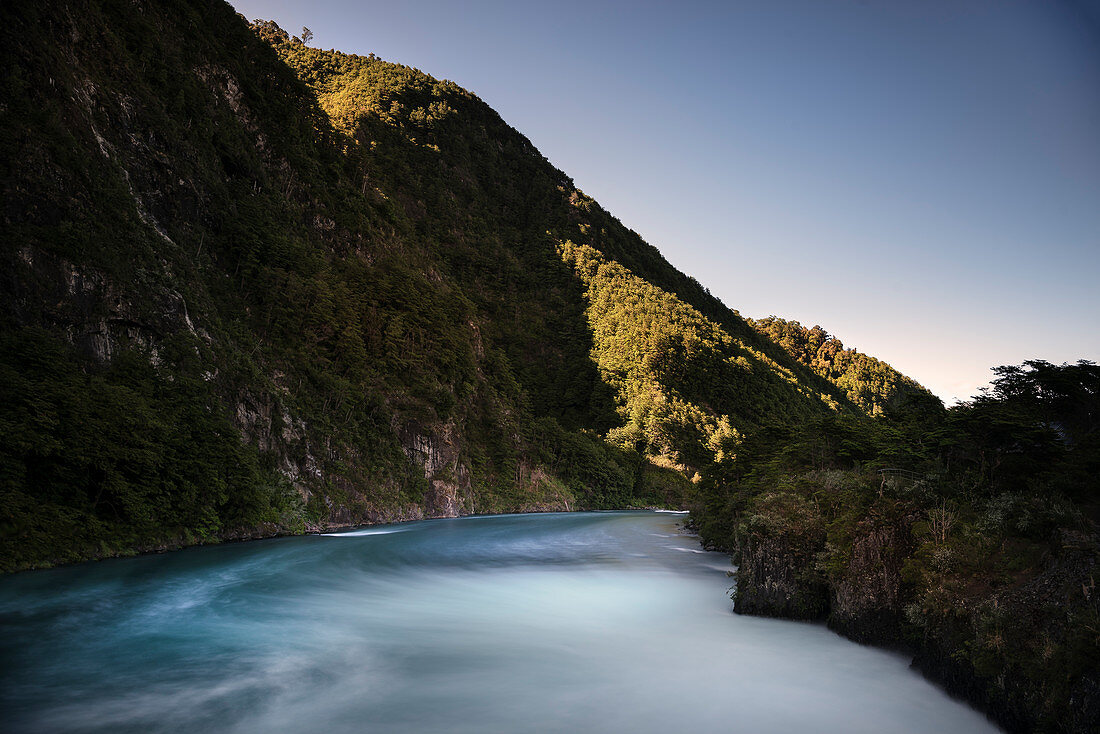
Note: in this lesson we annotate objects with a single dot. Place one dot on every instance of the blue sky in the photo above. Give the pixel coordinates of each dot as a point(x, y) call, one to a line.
point(922, 179)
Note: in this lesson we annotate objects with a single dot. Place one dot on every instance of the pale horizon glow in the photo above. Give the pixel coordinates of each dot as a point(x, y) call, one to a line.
point(920, 179)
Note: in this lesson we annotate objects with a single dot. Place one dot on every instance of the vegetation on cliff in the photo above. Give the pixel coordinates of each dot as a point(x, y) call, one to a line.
point(255, 287)
point(966, 536)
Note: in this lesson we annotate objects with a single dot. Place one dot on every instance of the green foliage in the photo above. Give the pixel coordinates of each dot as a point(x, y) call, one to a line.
point(684, 385)
point(972, 531)
point(490, 213)
point(119, 459)
point(217, 261)
point(873, 385)
point(296, 264)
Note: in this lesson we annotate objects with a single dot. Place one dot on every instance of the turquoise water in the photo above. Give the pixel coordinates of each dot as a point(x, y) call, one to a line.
point(582, 622)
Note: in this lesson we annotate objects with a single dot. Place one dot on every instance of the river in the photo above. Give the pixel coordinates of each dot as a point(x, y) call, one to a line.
point(568, 622)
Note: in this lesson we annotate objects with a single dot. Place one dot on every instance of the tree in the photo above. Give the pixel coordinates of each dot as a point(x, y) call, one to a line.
point(307, 35)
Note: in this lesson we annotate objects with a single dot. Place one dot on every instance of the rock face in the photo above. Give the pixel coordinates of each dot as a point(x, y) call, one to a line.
point(867, 603)
point(437, 452)
point(1039, 617)
point(772, 581)
point(98, 314)
point(1011, 653)
point(776, 574)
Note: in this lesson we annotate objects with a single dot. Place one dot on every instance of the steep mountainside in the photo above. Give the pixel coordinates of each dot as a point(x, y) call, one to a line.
point(253, 287)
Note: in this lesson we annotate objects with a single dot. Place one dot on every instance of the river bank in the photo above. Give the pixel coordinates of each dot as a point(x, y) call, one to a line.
point(267, 531)
point(1013, 640)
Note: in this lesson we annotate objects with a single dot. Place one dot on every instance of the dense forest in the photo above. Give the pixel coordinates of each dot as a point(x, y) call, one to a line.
point(254, 287)
point(251, 287)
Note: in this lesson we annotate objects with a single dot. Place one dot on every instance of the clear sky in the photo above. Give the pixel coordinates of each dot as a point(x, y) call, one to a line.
point(922, 179)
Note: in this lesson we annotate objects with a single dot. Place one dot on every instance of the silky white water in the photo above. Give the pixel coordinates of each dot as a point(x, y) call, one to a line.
point(583, 622)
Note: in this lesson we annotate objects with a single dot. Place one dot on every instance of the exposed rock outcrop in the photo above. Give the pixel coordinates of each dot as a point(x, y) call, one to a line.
point(866, 604)
point(437, 452)
point(776, 574)
point(981, 646)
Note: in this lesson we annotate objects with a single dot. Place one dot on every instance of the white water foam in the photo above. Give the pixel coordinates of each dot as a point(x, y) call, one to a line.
point(361, 533)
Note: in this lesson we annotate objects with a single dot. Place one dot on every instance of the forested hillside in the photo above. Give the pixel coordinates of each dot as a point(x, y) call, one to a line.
point(870, 383)
point(253, 287)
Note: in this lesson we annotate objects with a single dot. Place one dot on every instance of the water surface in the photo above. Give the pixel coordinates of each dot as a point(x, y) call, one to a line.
point(572, 622)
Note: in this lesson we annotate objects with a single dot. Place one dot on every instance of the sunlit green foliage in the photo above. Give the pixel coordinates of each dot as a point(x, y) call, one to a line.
point(685, 387)
point(870, 383)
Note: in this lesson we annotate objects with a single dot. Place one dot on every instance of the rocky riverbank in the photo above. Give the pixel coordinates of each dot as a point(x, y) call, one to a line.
point(1008, 626)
